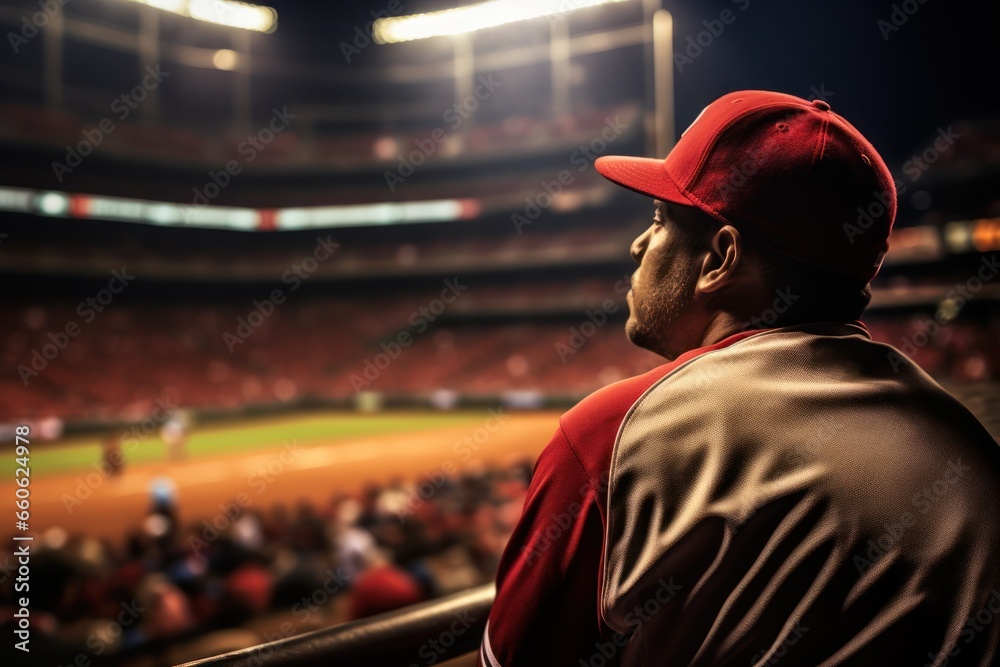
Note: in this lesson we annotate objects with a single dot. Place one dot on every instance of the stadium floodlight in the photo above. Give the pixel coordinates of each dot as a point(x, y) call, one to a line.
point(461, 20)
point(221, 12)
point(225, 59)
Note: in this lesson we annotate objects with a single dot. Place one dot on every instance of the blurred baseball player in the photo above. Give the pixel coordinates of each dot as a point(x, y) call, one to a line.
point(784, 489)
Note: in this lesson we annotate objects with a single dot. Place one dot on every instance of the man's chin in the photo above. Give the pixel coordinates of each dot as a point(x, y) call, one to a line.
point(641, 338)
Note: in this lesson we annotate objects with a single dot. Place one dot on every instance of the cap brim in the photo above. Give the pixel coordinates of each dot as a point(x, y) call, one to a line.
point(644, 175)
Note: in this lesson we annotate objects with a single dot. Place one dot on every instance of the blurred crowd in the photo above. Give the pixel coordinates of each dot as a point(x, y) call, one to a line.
point(177, 589)
point(958, 352)
point(352, 149)
point(150, 356)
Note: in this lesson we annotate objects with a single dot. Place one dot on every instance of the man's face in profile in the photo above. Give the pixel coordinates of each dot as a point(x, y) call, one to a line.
point(663, 285)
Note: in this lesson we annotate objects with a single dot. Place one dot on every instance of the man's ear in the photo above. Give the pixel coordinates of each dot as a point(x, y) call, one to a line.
point(724, 254)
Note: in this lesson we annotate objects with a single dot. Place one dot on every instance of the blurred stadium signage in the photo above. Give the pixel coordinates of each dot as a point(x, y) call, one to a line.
point(74, 205)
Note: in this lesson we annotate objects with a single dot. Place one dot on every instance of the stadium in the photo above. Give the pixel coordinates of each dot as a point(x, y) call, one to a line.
point(296, 295)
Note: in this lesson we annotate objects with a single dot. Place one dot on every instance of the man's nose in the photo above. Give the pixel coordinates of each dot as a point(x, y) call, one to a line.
point(638, 248)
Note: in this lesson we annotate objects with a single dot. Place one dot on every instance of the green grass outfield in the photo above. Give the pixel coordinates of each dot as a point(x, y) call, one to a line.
point(256, 434)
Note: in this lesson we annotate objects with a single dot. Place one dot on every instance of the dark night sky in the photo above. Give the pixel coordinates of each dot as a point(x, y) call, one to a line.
point(939, 67)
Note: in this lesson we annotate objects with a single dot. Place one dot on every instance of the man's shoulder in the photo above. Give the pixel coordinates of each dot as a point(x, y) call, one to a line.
point(591, 426)
point(614, 399)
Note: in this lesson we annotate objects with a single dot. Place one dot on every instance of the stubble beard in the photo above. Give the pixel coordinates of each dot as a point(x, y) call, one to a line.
point(655, 313)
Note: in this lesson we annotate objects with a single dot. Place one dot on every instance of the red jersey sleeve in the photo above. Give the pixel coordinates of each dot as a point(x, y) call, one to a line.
point(547, 606)
point(545, 612)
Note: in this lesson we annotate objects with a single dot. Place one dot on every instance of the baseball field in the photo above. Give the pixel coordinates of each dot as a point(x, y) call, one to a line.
point(265, 461)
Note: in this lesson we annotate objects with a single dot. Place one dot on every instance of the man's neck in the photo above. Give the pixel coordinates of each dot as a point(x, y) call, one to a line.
point(723, 325)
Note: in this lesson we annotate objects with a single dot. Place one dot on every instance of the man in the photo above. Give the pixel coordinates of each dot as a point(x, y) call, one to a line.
point(783, 490)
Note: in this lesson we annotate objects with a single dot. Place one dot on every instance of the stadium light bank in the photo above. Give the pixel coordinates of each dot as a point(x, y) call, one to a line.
point(492, 13)
point(471, 18)
point(221, 12)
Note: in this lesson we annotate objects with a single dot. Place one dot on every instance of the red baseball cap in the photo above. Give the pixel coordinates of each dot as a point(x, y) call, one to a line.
point(790, 174)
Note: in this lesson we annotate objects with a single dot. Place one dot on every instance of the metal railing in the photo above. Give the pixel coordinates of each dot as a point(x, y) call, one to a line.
point(440, 629)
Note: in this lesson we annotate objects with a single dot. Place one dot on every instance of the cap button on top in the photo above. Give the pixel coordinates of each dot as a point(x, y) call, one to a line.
point(821, 105)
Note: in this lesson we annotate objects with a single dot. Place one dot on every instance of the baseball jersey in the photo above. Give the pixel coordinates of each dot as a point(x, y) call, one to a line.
point(801, 495)
point(548, 582)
